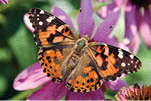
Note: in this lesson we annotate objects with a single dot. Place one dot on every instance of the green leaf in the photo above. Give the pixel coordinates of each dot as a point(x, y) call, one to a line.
point(5, 55)
point(24, 95)
point(23, 47)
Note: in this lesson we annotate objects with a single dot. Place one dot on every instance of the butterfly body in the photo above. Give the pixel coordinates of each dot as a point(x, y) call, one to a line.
point(83, 63)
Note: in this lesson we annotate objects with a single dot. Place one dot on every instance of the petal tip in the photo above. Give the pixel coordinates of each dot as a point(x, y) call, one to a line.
point(28, 23)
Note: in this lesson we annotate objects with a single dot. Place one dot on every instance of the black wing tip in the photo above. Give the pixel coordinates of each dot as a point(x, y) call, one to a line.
point(38, 10)
point(33, 10)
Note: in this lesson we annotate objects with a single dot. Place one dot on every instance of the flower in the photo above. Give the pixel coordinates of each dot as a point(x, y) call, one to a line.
point(33, 76)
point(134, 93)
point(4, 1)
point(135, 20)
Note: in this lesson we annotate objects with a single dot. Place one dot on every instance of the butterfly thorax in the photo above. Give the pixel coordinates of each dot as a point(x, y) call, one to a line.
point(79, 48)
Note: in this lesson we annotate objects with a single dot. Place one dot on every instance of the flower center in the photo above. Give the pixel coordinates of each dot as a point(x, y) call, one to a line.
point(141, 3)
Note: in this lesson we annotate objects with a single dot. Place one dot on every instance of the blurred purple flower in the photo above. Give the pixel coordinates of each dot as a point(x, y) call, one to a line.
point(134, 92)
point(4, 1)
point(33, 76)
point(135, 20)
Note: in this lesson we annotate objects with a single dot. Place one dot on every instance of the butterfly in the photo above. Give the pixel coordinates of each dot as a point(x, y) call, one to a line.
point(83, 63)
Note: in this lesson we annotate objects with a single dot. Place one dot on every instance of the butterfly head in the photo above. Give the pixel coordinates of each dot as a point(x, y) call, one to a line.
point(86, 37)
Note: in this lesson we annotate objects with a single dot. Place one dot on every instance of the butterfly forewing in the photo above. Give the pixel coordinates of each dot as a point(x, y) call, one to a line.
point(112, 61)
point(48, 29)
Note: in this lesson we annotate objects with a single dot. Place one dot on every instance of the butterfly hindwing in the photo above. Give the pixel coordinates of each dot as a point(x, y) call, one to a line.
point(48, 29)
point(84, 77)
point(51, 59)
point(112, 61)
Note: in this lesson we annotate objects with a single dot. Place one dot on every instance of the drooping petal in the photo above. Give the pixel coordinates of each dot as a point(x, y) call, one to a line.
point(116, 85)
point(93, 95)
point(28, 23)
point(105, 28)
point(145, 27)
point(85, 18)
point(107, 10)
point(132, 34)
point(135, 92)
point(30, 78)
point(62, 15)
point(51, 91)
point(4, 1)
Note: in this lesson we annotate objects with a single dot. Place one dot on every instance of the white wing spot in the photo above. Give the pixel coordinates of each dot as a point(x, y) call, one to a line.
point(40, 23)
point(137, 61)
point(41, 12)
point(128, 64)
point(34, 11)
point(131, 56)
point(131, 61)
point(123, 64)
point(37, 14)
point(37, 18)
point(104, 44)
point(50, 18)
point(34, 35)
point(36, 43)
point(120, 53)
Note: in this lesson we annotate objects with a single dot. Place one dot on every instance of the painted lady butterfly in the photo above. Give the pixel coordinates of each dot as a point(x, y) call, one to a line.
point(84, 64)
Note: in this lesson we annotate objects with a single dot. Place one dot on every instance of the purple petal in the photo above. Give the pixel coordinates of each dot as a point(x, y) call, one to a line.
point(4, 1)
point(111, 8)
point(93, 95)
point(28, 23)
point(120, 3)
point(105, 28)
point(107, 10)
point(101, 0)
point(51, 91)
point(30, 78)
point(132, 34)
point(145, 28)
point(62, 15)
point(85, 18)
point(116, 85)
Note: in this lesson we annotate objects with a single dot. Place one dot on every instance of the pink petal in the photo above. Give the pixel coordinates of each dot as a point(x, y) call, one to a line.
point(116, 85)
point(107, 10)
point(125, 44)
point(120, 3)
point(62, 15)
point(105, 28)
point(51, 91)
point(93, 95)
point(4, 1)
point(85, 18)
point(102, 0)
point(145, 28)
point(30, 78)
point(28, 23)
point(132, 34)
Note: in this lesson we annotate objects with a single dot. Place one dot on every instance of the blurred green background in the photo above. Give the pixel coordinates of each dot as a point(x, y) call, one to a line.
point(18, 50)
